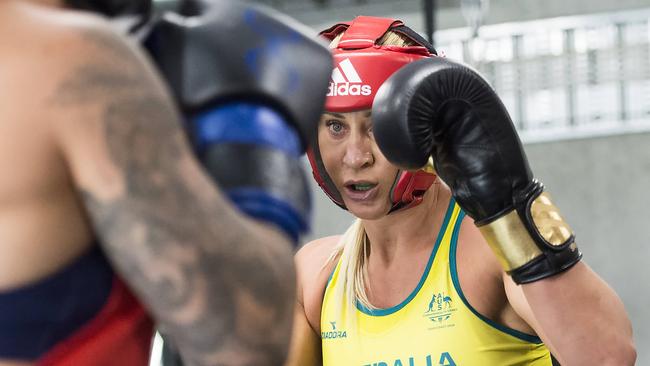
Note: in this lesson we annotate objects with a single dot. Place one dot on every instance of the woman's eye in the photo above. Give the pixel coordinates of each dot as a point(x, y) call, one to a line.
point(335, 127)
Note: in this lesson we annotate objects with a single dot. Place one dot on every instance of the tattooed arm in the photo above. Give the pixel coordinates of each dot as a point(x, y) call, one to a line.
point(220, 285)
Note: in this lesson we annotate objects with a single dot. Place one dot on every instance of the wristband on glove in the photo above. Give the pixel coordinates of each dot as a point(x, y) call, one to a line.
point(533, 241)
point(254, 155)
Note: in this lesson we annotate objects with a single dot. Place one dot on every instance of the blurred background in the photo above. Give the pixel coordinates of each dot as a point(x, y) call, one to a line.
point(575, 76)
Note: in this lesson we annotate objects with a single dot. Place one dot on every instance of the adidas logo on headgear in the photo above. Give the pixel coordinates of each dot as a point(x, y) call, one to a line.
point(346, 81)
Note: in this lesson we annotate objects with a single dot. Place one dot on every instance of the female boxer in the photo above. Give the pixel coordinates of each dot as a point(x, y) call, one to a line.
point(413, 282)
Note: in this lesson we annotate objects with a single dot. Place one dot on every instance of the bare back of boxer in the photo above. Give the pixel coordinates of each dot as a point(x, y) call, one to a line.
point(91, 149)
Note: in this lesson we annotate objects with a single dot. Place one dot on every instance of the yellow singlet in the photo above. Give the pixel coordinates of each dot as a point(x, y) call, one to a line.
point(433, 326)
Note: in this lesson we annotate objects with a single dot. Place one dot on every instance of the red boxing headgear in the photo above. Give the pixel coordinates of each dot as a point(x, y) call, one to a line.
point(362, 67)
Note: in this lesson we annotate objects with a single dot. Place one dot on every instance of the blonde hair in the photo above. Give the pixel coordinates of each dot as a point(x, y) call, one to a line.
point(389, 38)
point(352, 248)
point(352, 253)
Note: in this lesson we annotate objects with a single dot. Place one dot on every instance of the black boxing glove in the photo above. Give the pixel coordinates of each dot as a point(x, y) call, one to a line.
point(439, 108)
point(251, 83)
point(112, 8)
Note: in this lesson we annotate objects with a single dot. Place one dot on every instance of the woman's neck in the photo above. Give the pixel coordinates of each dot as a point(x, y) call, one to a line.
point(410, 229)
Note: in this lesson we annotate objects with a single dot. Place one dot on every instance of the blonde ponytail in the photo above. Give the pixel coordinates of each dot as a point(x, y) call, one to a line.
point(352, 254)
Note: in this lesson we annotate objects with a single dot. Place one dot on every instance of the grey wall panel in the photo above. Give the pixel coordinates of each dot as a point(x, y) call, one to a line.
point(602, 186)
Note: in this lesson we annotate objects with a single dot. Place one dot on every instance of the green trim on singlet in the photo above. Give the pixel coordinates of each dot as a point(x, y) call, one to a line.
point(393, 309)
point(454, 278)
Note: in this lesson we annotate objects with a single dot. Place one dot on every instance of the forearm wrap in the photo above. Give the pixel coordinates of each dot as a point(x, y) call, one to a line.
point(263, 182)
point(533, 241)
point(254, 156)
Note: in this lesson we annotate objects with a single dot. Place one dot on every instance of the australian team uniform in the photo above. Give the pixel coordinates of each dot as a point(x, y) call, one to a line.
point(433, 326)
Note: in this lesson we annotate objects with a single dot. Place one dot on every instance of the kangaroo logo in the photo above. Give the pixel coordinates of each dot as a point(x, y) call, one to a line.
point(431, 303)
point(441, 308)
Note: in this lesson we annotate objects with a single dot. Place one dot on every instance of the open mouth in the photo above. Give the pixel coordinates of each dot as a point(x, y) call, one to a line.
point(361, 191)
point(361, 187)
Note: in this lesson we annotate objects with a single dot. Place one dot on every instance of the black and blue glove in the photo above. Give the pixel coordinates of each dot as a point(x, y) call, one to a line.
point(252, 85)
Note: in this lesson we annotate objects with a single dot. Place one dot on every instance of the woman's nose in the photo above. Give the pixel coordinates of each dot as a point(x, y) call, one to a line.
point(358, 155)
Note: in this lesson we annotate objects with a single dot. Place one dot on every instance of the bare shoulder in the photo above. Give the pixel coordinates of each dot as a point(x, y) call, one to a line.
point(101, 91)
point(35, 43)
point(479, 272)
point(472, 246)
point(482, 279)
point(56, 40)
point(54, 53)
point(316, 252)
point(53, 34)
point(314, 264)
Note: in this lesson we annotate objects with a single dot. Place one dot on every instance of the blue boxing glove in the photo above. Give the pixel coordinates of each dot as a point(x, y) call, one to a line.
point(252, 86)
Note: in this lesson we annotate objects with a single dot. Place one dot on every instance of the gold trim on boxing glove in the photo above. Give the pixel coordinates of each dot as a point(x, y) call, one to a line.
point(510, 241)
point(548, 221)
point(429, 167)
